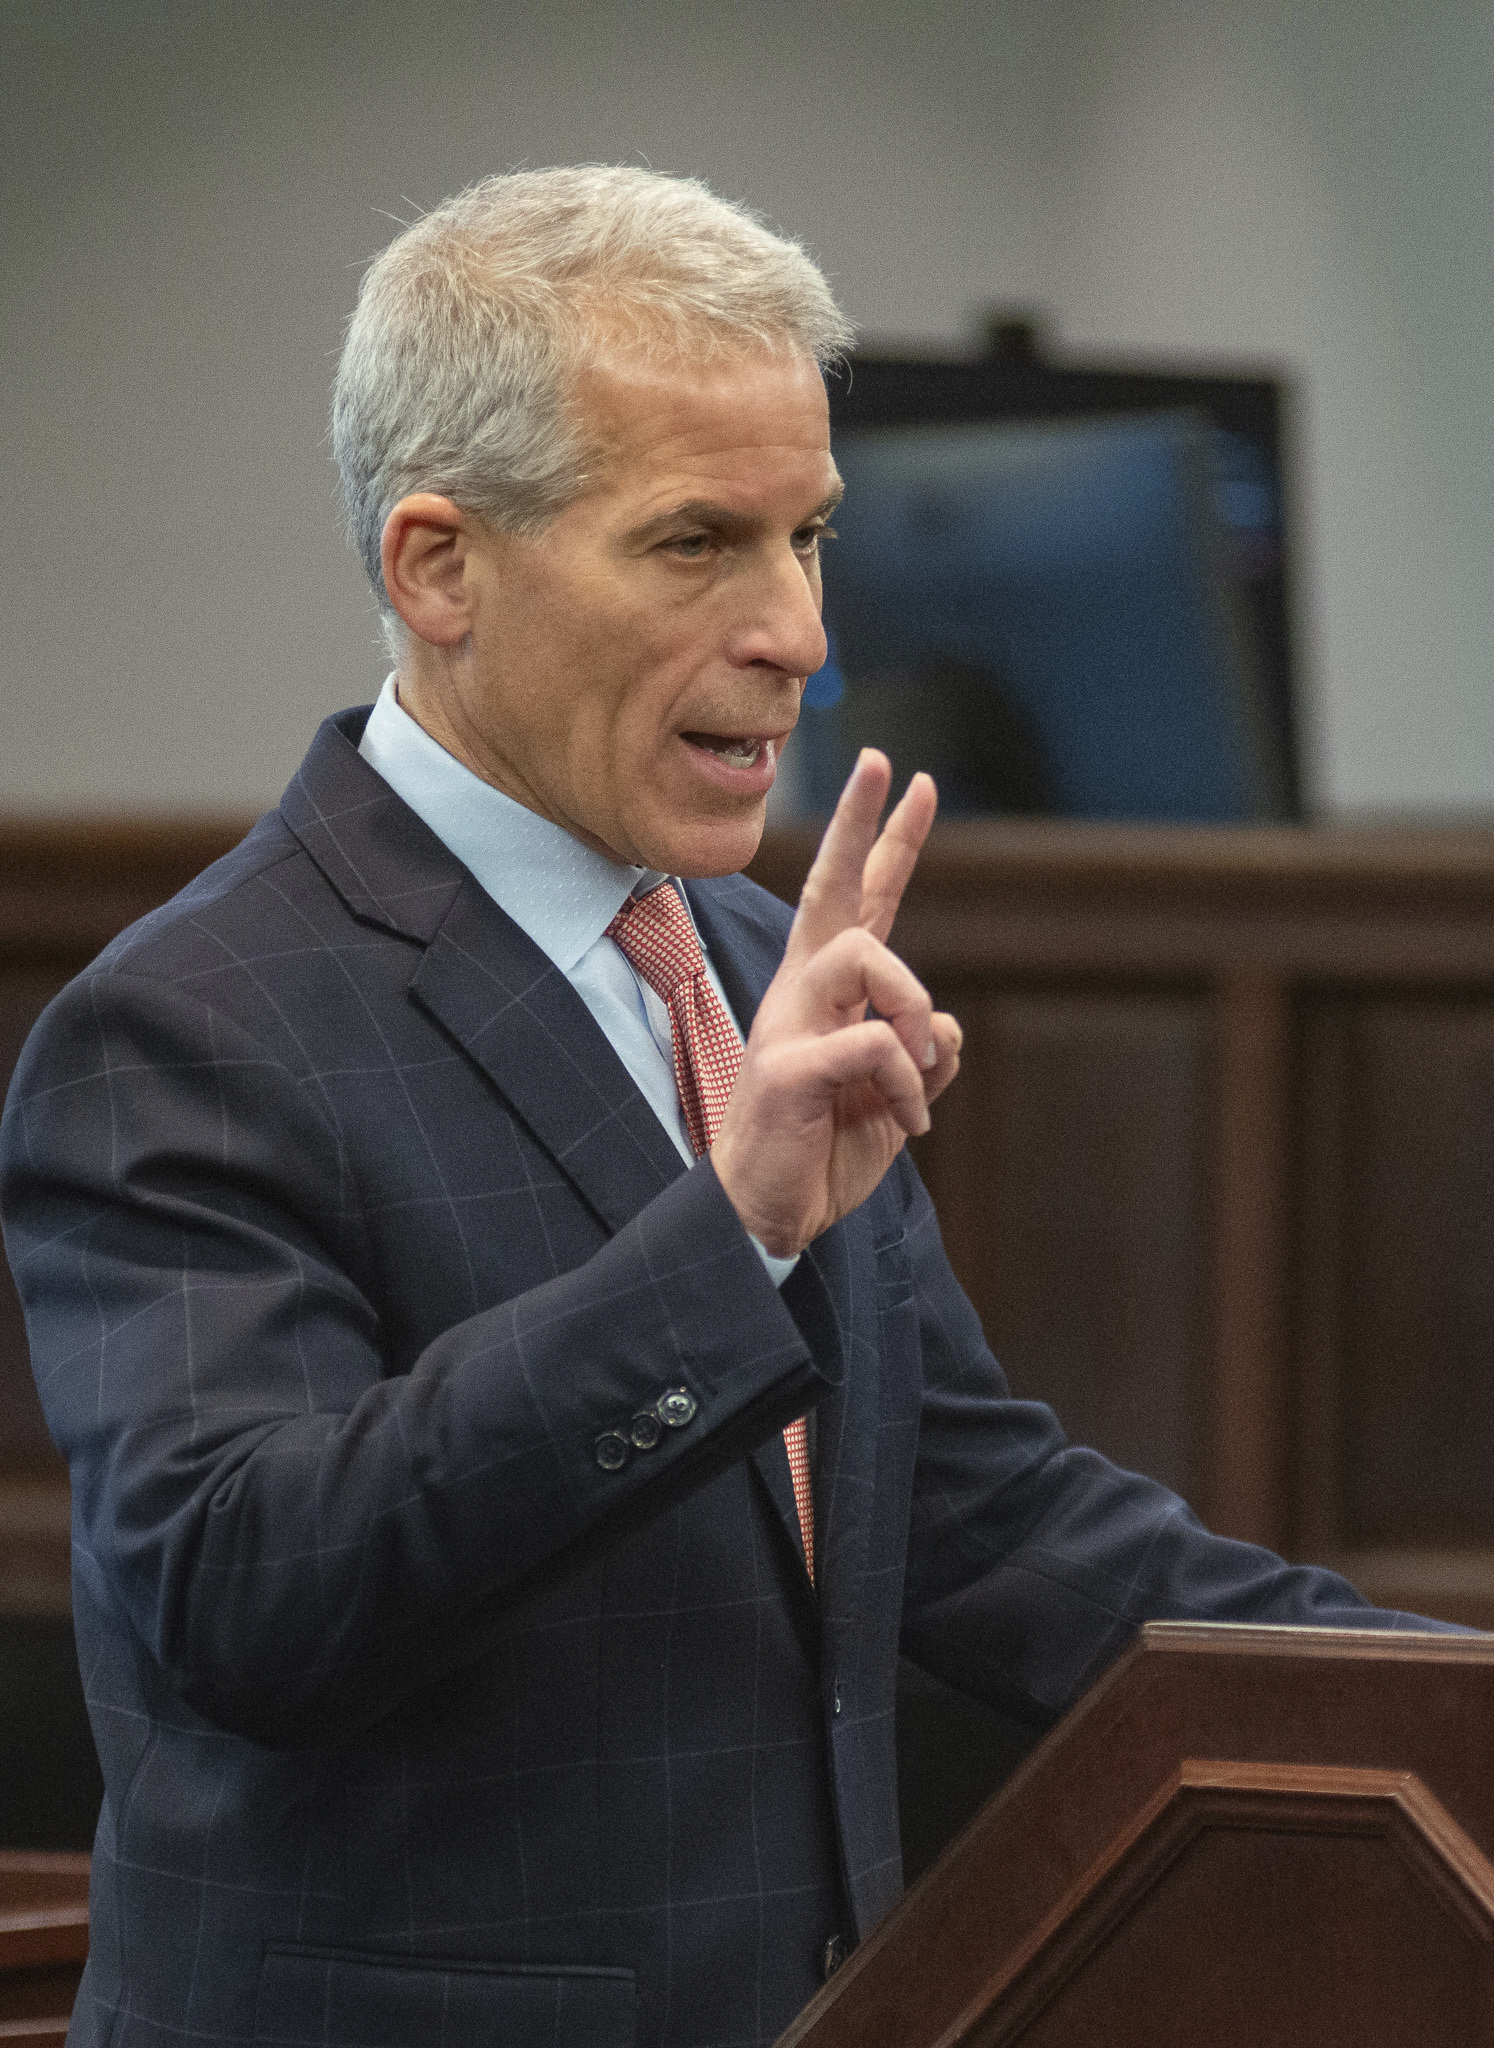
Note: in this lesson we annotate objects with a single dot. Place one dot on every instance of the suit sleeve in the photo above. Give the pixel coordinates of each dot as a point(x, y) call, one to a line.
point(1032, 1561)
point(297, 1538)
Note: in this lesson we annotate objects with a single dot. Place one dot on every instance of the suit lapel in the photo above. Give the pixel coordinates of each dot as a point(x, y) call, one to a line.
point(385, 863)
point(513, 1011)
point(482, 978)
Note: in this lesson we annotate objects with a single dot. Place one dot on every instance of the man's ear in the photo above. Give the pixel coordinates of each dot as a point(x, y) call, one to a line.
point(423, 554)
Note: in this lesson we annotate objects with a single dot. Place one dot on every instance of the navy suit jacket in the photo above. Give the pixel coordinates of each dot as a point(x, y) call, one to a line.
point(343, 1235)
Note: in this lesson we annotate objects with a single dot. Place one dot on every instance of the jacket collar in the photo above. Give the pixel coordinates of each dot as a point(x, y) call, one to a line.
point(483, 979)
point(386, 864)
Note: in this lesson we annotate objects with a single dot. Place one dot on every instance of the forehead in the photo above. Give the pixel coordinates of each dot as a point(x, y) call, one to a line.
point(757, 426)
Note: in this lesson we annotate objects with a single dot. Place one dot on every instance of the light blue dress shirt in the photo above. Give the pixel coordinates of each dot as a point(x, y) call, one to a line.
point(561, 893)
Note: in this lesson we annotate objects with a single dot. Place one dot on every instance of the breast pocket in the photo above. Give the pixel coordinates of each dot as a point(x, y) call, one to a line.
point(336, 1998)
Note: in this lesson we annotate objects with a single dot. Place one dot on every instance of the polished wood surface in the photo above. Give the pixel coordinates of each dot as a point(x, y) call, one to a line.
point(43, 1942)
point(1242, 1836)
point(1218, 1172)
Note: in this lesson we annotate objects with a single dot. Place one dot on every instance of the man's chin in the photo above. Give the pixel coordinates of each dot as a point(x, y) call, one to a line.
point(703, 848)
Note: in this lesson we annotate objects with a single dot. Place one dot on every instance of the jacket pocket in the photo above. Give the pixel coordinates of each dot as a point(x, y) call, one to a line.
point(894, 1272)
point(340, 1998)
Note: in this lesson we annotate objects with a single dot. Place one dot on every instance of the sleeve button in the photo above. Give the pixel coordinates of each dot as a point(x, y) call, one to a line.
point(645, 1430)
point(612, 1450)
point(675, 1407)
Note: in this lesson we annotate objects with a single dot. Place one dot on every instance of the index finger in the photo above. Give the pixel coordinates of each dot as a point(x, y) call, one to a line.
point(831, 899)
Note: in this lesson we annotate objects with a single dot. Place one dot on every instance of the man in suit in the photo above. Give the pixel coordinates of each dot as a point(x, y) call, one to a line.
point(514, 1428)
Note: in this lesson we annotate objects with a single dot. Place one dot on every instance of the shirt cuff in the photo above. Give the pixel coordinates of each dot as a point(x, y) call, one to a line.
point(778, 1269)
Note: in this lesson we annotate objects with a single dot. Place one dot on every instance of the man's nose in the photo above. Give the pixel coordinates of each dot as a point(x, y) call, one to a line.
point(781, 627)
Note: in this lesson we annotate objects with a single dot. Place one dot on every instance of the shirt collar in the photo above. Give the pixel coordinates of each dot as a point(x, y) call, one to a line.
point(562, 893)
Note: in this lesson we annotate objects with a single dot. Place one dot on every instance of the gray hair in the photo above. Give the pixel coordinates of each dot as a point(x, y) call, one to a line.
point(471, 326)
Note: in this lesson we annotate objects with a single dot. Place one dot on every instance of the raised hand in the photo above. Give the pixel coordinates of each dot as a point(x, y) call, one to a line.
point(827, 1096)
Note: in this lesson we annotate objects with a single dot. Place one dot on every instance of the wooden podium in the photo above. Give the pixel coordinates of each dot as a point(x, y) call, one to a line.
point(1243, 1837)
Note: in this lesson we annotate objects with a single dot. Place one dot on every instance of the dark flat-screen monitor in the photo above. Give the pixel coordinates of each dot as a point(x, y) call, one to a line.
point(1070, 615)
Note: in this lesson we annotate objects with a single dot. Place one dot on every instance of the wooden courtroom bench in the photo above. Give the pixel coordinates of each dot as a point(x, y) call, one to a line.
point(43, 1943)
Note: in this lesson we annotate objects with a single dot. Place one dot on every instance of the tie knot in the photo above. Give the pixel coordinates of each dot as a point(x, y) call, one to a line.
point(656, 934)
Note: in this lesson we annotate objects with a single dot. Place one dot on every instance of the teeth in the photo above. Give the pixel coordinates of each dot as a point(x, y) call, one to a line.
point(738, 753)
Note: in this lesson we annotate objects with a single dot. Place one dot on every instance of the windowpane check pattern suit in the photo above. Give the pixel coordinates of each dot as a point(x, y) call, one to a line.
point(344, 1239)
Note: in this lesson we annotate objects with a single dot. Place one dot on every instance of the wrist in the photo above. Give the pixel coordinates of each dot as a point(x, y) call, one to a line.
point(771, 1233)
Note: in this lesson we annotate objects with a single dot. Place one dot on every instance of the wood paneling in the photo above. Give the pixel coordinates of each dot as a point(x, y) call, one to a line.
point(1219, 1168)
point(1218, 1172)
point(25, 1446)
point(1419, 1273)
point(43, 1942)
point(1393, 1380)
point(66, 888)
point(1067, 1162)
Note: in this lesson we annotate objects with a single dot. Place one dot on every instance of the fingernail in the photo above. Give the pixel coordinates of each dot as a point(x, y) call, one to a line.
point(931, 1054)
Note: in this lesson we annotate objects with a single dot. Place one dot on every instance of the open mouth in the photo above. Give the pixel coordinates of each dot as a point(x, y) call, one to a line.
point(736, 750)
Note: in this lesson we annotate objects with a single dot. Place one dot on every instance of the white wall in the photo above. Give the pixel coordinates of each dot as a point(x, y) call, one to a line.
point(187, 192)
point(1312, 185)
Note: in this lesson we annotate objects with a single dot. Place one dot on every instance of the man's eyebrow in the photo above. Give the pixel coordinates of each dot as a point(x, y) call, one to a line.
point(705, 512)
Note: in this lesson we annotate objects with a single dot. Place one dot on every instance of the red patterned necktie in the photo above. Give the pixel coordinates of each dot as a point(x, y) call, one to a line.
point(656, 934)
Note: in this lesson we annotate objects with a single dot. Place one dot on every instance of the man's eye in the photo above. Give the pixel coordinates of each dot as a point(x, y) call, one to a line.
point(691, 545)
point(808, 538)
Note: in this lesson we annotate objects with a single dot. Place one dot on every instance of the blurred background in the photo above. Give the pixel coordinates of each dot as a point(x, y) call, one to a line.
point(190, 192)
point(1221, 268)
